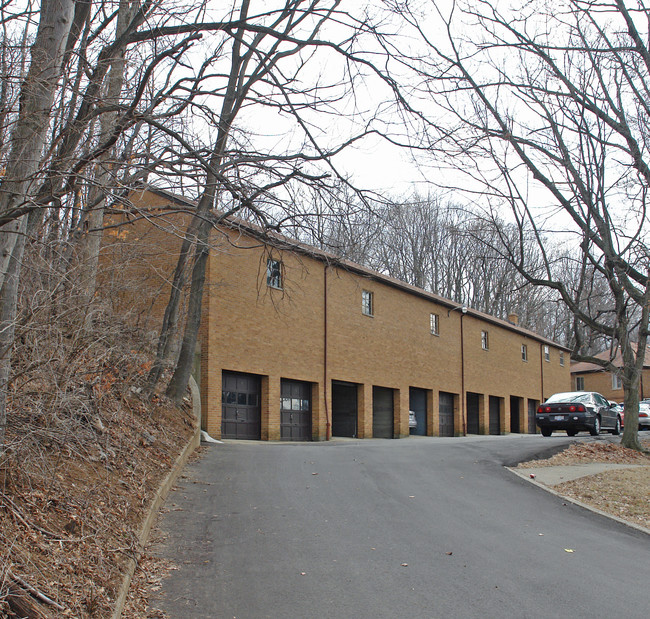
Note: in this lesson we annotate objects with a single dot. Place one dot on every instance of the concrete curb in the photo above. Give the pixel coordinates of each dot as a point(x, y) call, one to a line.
point(595, 510)
point(157, 501)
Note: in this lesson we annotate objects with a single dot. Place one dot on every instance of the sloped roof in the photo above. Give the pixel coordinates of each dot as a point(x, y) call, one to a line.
point(283, 242)
point(584, 367)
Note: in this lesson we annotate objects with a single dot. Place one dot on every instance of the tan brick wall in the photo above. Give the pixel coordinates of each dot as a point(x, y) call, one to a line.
point(137, 259)
point(260, 330)
point(252, 328)
point(280, 334)
point(602, 383)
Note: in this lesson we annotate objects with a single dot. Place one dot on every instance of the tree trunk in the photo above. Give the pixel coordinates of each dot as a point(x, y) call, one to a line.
point(91, 238)
point(172, 310)
point(27, 142)
point(178, 382)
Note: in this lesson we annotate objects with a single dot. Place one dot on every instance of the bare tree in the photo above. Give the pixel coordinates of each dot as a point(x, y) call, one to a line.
point(27, 142)
point(274, 61)
point(544, 108)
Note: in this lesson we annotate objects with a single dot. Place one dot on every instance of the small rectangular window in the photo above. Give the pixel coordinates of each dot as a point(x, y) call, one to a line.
point(274, 273)
point(562, 359)
point(547, 353)
point(524, 352)
point(434, 321)
point(580, 383)
point(366, 303)
point(617, 382)
point(485, 342)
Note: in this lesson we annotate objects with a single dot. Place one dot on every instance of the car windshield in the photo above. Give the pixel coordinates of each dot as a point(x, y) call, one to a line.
point(570, 397)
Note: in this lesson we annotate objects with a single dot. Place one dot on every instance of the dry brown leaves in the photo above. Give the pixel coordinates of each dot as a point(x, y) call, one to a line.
point(73, 493)
point(624, 493)
point(578, 453)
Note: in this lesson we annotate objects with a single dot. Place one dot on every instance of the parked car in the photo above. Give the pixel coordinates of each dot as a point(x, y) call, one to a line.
point(620, 409)
point(413, 423)
point(575, 411)
point(644, 415)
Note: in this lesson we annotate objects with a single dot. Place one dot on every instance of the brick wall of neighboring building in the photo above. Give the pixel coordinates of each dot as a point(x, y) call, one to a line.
point(602, 382)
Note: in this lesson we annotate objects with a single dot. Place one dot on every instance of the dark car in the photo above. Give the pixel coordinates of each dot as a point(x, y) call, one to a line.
point(576, 411)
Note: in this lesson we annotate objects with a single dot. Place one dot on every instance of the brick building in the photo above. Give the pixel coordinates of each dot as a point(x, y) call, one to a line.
point(297, 344)
point(592, 377)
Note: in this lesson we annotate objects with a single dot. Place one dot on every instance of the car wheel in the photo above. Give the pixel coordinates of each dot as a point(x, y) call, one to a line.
point(595, 431)
point(547, 432)
point(617, 428)
point(571, 432)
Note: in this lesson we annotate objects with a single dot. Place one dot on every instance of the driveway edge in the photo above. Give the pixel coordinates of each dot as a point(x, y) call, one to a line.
point(156, 503)
point(627, 523)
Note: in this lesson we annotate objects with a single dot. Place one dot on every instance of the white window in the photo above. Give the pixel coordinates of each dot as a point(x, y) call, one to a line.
point(367, 303)
point(562, 359)
point(617, 382)
point(274, 273)
point(580, 383)
point(547, 353)
point(524, 352)
point(485, 342)
point(434, 321)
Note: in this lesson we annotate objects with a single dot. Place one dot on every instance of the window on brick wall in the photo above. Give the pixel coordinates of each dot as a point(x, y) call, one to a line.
point(617, 382)
point(434, 323)
point(274, 273)
point(524, 352)
point(547, 353)
point(580, 383)
point(485, 341)
point(367, 305)
point(562, 359)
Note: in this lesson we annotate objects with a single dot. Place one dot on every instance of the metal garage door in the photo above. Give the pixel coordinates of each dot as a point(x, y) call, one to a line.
point(344, 409)
point(532, 409)
point(382, 412)
point(240, 406)
point(514, 414)
point(495, 415)
point(472, 413)
point(446, 414)
point(295, 411)
point(418, 404)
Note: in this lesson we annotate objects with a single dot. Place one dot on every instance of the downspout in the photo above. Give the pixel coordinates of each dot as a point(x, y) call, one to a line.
point(463, 396)
point(328, 425)
point(541, 371)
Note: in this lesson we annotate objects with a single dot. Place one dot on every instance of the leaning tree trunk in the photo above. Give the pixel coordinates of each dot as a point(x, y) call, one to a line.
point(233, 99)
point(27, 144)
point(181, 376)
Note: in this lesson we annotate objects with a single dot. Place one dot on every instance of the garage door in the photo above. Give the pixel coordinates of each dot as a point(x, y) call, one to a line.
point(472, 413)
point(446, 414)
point(382, 412)
point(532, 409)
point(495, 417)
point(240, 406)
point(514, 414)
point(295, 411)
point(418, 404)
point(344, 409)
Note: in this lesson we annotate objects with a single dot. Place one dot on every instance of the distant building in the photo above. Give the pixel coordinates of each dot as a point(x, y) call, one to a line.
point(297, 344)
point(593, 377)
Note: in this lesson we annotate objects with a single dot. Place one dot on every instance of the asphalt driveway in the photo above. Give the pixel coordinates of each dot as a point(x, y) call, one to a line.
point(413, 528)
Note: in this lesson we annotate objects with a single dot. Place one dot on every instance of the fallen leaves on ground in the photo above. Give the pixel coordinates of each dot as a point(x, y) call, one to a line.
point(624, 493)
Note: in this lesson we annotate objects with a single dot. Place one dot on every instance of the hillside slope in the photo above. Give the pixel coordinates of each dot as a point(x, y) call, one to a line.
point(84, 455)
